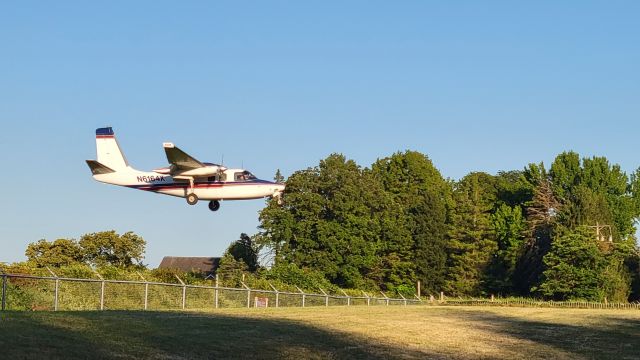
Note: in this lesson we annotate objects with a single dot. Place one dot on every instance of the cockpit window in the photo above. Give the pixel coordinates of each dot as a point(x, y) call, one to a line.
point(243, 176)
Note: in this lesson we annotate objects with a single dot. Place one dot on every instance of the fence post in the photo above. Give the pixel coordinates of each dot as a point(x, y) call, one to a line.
point(146, 296)
point(385, 298)
point(4, 292)
point(146, 291)
point(277, 294)
point(55, 295)
point(101, 289)
point(368, 298)
point(216, 292)
point(326, 297)
point(303, 295)
point(248, 294)
point(184, 292)
point(347, 296)
point(403, 299)
point(102, 295)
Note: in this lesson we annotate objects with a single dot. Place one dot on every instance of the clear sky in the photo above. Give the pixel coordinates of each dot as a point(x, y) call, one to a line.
point(475, 85)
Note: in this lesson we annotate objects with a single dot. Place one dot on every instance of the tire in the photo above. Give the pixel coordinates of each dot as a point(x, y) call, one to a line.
point(214, 205)
point(192, 199)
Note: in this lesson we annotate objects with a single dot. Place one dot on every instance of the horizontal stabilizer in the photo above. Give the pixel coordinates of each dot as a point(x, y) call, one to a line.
point(99, 169)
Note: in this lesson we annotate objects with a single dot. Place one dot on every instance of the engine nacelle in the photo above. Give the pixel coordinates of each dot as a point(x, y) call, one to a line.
point(209, 170)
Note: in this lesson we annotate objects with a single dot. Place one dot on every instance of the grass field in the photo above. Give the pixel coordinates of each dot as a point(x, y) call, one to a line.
point(327, 333)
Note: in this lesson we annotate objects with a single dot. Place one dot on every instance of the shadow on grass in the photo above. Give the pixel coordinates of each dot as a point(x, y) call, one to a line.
point(611, 338)
point(123, 334)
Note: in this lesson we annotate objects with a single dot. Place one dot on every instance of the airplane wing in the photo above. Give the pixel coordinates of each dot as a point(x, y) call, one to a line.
point(180, 159)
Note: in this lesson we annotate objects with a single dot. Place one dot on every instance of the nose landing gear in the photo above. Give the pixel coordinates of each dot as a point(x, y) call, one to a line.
point(214, 205)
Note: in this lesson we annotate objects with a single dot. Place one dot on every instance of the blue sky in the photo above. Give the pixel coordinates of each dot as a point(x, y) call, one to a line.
point(488, 86)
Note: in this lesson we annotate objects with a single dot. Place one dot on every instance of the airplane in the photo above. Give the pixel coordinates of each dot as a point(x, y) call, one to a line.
point(186, 177)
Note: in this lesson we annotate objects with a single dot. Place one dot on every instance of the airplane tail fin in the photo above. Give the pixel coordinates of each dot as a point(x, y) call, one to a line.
point(109, 154)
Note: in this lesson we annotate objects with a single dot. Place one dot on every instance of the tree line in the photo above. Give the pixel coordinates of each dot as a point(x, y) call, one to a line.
point(561, 232)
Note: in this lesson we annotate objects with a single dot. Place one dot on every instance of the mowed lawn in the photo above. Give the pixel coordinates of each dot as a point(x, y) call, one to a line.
point(324, 333)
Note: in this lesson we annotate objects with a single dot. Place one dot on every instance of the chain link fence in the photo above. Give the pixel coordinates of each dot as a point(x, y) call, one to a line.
point(29, 292)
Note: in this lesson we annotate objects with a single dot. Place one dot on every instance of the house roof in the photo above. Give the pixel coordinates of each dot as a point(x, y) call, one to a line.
point(206, 265)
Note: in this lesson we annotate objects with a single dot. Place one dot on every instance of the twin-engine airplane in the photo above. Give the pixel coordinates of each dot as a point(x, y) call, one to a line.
point(186, 177)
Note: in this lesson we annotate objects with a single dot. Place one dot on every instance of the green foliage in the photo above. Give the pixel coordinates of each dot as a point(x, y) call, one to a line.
point(472, 241)
point(166, 275)
point(408, 291)
point(594, 191)
point(337, 219)
point(79, 271)
point(245, 250)
point(621, 259)
point(57, 253)
point(230, 271)
point(424, 198)
point(278, 177)
point(542, 217)
point(109, 248)
point(401, 221)
point(513, 189)
point(96, 249)
point(509, 228)
point(574, 269)
point(430, 242)
point(291, 274)
point(633, 265)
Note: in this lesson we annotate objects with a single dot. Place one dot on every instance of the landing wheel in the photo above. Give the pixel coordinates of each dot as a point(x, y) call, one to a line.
point(192, 199)
point(214, 205)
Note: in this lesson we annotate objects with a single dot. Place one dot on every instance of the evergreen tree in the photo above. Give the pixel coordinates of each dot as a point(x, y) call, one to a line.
point(541, 223)
point(278, 177)
point(245, 250)
point(574, 267)
point(472, 242)
point(430, 242)
point(509, 228)
point(424, 196)
point(230, 270)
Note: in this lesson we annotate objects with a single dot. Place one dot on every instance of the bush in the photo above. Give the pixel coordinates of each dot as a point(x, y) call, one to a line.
point(303, 278)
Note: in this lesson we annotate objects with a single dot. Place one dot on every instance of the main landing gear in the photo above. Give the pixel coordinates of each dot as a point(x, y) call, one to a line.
point(214, 205)
point(192, 199)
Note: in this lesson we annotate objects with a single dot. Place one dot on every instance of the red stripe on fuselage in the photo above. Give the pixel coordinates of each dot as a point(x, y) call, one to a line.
point(156, 187)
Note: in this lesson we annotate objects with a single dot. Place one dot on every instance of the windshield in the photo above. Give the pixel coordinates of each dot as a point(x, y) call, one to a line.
point(244, 176)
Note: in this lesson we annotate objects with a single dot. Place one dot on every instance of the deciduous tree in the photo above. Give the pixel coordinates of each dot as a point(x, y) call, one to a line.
point(110, 248)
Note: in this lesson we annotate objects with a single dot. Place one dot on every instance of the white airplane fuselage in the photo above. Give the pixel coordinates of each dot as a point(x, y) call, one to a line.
point(206, 188)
